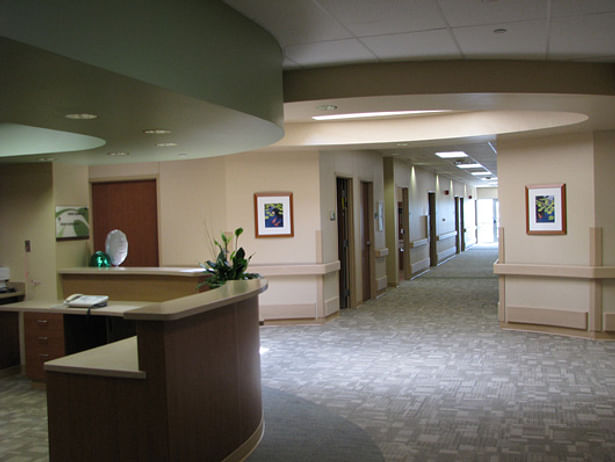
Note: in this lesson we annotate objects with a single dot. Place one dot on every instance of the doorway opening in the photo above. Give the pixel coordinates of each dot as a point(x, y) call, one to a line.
point(344, 240)
point(366, 230)
point(433, 244)
point(487, 219)
point(403, 234)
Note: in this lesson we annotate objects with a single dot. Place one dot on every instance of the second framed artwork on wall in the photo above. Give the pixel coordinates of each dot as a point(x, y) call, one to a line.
point(545, 209)
point(273, 214)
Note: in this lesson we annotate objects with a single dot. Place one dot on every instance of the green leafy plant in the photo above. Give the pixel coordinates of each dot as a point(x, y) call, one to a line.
point(227, 266)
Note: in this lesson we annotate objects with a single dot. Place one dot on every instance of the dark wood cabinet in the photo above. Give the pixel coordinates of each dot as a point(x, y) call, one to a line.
point(44, 340)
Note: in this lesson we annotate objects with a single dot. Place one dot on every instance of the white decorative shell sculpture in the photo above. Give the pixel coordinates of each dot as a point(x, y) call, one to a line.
point(116, 246)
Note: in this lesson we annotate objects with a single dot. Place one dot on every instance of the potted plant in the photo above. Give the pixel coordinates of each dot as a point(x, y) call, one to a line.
point(227, 266)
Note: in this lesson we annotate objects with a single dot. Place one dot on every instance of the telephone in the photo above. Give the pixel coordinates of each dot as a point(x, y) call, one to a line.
point(86, 301)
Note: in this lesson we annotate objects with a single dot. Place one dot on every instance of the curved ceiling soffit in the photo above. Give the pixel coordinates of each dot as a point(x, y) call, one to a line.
point(227, 62)
point(416, 129)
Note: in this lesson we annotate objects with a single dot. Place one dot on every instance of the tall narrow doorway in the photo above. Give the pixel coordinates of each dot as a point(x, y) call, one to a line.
point(403, 211)
point(433, 236)
point(344, 239)
point(367, 238)
point(130, 206)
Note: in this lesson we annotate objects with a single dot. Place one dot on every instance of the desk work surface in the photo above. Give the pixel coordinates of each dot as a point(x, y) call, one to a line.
point(117, 359)
point(113, 308)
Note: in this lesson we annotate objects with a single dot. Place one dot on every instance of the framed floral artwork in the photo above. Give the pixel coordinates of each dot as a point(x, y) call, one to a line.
point(273, 214)
point(545, 209)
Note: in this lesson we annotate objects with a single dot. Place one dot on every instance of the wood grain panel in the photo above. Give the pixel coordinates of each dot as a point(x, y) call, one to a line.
point(130, 206)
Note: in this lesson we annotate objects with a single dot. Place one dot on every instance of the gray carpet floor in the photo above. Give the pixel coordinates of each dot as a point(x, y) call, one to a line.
point(424, 373)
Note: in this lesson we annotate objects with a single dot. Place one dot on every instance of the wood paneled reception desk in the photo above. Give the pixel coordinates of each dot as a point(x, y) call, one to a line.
point(186, 388)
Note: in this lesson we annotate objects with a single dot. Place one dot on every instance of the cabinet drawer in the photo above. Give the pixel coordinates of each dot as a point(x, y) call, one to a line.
point(43, 324)
point(44, 339)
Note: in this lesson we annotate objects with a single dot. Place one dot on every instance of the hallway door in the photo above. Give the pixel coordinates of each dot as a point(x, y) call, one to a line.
point(366, 232)
point(131, 207)
point(403, 235)
point(344, 239)
point(433, 244)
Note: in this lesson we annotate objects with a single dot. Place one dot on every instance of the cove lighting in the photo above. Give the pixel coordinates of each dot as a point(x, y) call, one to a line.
point(481, 173)
point(451, 154)
point(469, 166)
point(365, 115)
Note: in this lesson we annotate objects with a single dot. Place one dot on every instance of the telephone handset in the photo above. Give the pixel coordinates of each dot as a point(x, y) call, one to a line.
point(86, 301)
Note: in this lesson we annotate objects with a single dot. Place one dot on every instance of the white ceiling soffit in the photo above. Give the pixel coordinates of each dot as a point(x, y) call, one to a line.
point(315, 33)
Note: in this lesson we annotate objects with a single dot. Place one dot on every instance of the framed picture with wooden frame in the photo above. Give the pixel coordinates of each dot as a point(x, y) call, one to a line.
point(545, 209)
point(273, 214)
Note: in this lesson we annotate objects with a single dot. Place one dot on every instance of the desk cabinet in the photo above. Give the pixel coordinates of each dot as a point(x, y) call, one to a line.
point(44, 339)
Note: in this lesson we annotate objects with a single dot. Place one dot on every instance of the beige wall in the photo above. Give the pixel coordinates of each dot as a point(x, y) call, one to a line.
point(547, 160)
point(582, 162)
point(27, 213)
point(70, 187)
point(487, 193)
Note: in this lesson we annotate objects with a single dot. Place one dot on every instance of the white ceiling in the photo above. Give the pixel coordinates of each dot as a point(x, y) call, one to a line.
point(315, 33)
point(320, 33)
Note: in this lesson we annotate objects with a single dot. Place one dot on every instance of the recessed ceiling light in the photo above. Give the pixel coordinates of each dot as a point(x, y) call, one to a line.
point(469, 166)
point(402, 144)
point(365, 115)
point(166, 145)
point(326, 107)
point(81, 116)
point(481, 173)
point(450, 154)
point(46, 159)
point(500, 30)
point(118, 154)
point(156, 131)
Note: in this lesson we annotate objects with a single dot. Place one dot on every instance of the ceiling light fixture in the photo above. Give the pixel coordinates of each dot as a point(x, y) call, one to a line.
point(365, 115)
point(500, 30)
point(81, 116)
point(326, 107)
point(165, 145)
point(156, 131)
point(118, 154)
point(450, 154)
point(46, 159)
point(481, 173)
point(469, 166)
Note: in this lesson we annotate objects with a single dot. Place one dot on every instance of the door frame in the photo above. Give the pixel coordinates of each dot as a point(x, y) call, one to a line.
point(405, 217)
point(433, 224)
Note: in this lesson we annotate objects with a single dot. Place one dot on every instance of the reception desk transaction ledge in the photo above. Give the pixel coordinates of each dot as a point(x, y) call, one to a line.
point(187, 387)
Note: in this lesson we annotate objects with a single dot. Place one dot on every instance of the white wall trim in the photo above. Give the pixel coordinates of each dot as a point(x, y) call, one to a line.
point(288, 311)
point(419, 243)
point(609, 322)
point(547, 317)
point(419, 266)
point(556, 271)
point(295, 269)
point(332, 305)
point(381, 283)
point(446, 253)
point(445, 236)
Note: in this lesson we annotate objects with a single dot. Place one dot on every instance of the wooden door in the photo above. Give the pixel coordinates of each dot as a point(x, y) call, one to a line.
point(366, 232)
point(404, 235)
point(343, 240)
point(131, 207)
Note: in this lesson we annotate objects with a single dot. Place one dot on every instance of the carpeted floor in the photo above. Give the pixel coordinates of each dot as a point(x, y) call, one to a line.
point(424, 373)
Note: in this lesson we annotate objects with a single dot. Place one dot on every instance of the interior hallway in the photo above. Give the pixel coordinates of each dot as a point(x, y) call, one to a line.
point(427, 372)
point(423, 373)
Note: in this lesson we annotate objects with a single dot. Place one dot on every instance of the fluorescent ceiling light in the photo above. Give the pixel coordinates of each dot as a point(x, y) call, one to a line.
point(365, 115)
point(481, 173)
point(156, 131)
point(81, 116)
point(469, 166)
point(451, 154)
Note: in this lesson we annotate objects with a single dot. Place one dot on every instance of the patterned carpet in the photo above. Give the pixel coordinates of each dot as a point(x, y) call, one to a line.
point(423, 373)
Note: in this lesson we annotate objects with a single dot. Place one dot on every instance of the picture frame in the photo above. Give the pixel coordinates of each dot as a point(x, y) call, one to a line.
point(72, 222)
point(545, 209)
point(273, 214)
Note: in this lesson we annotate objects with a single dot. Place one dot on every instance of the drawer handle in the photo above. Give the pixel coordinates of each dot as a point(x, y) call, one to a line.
point(42, 322)
point(44, 340)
